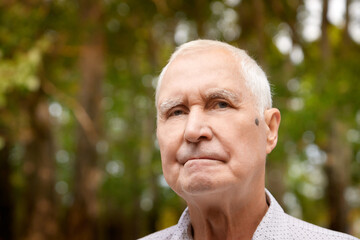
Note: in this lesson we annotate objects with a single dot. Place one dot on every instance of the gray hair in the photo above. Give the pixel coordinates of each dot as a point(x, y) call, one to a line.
point(255, 78)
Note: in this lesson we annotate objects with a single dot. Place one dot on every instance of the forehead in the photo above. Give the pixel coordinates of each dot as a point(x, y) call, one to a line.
point(200, 70)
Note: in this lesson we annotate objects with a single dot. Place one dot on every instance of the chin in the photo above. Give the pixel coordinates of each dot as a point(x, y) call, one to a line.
point(198, 187)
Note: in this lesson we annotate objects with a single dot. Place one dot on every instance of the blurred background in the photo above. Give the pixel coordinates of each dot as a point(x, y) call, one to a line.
point(79, 157)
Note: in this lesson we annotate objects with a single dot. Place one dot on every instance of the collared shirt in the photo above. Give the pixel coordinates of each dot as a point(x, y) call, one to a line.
point(276, 225)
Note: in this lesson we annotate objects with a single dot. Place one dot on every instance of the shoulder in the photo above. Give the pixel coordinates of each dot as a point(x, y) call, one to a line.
point(164, 234)
point(276, 224)
point(298, 229)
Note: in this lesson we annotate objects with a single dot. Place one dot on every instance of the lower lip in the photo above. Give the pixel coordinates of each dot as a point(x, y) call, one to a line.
point(202, 162)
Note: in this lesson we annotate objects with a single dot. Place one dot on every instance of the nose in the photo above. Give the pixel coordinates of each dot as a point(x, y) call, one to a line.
point(197, 128)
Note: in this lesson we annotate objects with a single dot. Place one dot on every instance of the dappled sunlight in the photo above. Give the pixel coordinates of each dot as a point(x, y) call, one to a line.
point(78, 144)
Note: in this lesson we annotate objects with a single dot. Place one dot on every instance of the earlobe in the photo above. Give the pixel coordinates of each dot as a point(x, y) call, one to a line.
point(272, 119)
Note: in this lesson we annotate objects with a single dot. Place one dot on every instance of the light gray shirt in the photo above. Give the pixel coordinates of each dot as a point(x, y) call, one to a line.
point(276, 225)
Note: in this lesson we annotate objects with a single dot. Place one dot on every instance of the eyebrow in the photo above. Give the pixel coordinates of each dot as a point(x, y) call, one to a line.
point(224, 94)
point(209, 95)
point(169, 104)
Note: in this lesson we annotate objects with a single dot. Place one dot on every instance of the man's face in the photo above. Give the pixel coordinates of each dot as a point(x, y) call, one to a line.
point(208, 138)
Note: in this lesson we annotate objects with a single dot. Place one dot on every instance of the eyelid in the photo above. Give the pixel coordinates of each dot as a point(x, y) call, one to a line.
point(171, 111)
point(214, 101)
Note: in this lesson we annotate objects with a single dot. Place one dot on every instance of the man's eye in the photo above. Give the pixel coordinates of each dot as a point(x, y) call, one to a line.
point(222, 104)
point(176, 113)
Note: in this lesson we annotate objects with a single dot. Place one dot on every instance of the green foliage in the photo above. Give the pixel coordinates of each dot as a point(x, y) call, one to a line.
point(22, 70)
point(40, 42)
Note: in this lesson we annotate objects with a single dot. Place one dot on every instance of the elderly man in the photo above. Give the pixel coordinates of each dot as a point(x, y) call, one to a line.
point(215, 126)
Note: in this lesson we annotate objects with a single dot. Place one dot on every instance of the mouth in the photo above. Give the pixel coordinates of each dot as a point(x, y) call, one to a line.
point(202, 158)
point(201, 163)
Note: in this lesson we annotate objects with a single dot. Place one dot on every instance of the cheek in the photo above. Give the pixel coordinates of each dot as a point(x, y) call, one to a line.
point(168, 139)
point(246, 145)
point(170, 130)
point(169, 142)
point(170, 167)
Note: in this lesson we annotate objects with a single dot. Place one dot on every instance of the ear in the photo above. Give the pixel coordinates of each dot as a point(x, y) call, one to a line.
point(272, 119)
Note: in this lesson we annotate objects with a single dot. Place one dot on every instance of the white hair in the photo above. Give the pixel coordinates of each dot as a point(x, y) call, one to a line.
point(255, 78)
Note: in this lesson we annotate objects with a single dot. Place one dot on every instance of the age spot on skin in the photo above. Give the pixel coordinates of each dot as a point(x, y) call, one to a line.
point(257, 122)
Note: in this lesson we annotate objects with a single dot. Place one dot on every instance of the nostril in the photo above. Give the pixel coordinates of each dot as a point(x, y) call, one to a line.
point(199, 134)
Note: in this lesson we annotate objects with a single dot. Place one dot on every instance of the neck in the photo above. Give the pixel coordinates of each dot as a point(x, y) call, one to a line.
point(236, 218)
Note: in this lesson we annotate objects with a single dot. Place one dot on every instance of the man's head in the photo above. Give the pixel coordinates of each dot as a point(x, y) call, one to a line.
point(254, 76)
point(215, 122)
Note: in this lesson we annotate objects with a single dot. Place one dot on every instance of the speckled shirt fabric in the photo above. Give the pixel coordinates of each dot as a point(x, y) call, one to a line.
point(276, 225)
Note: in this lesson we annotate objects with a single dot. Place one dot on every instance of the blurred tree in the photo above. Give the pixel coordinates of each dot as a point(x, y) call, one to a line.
point(39, 170)
point(21, 77)
point(90, 68)
point(6, 200)
point(83, 222)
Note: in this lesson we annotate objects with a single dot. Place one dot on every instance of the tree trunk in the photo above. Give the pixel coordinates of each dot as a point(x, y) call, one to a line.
point(259, 22)
point(338, 150)
point(200, 17)
point(337, 169)
point(83, 222)
point(39, 169)
point(6, 199)
point(325, 46)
